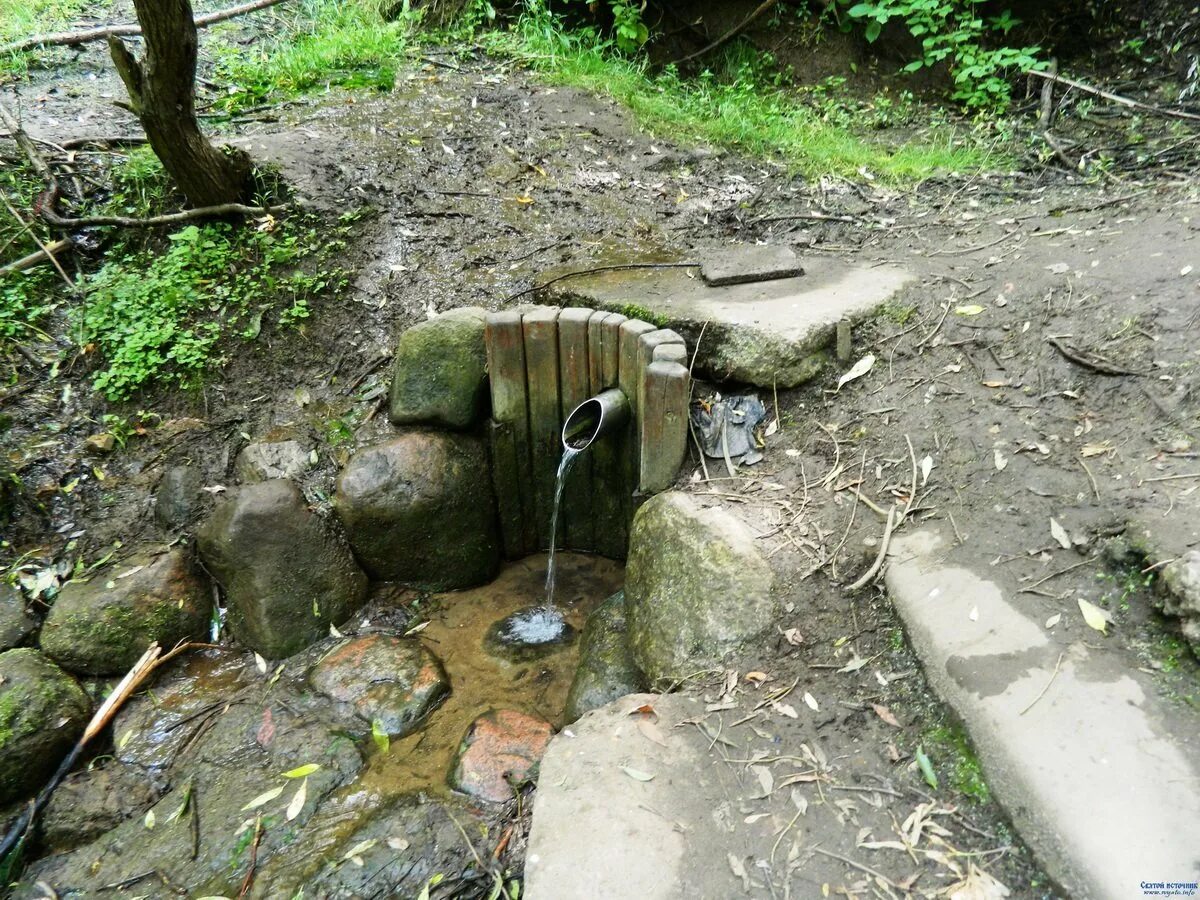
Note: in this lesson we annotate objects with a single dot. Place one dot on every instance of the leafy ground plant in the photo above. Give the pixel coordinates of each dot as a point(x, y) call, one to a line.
point(160, 317)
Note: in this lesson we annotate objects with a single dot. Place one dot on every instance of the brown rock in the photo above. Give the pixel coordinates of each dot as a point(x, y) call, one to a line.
point(100, 443)
point(386, 679)
point(500, 751)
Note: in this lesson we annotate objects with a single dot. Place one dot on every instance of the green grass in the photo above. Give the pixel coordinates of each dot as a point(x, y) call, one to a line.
point(749, 109)
point(325, 42)
point(25, 18)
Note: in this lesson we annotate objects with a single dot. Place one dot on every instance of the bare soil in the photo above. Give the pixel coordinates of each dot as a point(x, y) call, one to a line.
point(477, 178)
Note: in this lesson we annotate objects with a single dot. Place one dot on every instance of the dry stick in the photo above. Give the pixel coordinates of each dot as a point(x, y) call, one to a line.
point(622, 267)
point(848, 861)
point(868, 575)
point(75, 38)
point(1052, 576)
point(1047, 112)
point(1116, 98)
point(936, 328)
point(44, 249)
point(248, 881)
point(1096, 365)
point(1171, 477)
point(187, 215)
point(28, 262)
point(962, 250)
point(1042, 692)
point(1091, 478)
point(733, 32)
point(912, 491)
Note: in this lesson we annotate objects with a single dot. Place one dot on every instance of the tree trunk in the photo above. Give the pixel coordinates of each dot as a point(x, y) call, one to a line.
point(162, 90)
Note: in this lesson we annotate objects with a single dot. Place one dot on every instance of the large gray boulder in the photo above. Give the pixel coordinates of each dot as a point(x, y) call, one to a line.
point(440, 373)
point(286, 572)
point(42, 713)
point(606, 668)
point(102, 626)
point(419, 508)
point(696, 587)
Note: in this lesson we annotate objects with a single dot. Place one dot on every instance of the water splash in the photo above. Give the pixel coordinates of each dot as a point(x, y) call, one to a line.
point(564, 466)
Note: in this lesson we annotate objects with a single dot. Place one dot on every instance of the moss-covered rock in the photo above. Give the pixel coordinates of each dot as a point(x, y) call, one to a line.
point(16, 624)
point(606, 668)
point(696, 587)
point(287, 573)
point(440, 373)
point(420, 509)
point(102, 626)
point(42, 713)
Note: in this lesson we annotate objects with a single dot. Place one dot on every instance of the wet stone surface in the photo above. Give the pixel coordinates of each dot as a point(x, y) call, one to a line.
point(389, 681)
point(499, 754)
point(529, 634)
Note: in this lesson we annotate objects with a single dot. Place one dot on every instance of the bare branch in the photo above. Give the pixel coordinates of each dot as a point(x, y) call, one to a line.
point(75, 38)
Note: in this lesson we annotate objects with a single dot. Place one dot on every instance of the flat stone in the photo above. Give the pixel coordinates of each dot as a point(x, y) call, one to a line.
point(1100, 776)
point(283, 456)
point(500, 751)
point(748, 263)
point(388, 680)
point(776, 333)
point(619, 815)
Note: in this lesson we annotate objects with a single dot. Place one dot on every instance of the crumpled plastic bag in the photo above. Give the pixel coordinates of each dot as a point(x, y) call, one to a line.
point(726, 427)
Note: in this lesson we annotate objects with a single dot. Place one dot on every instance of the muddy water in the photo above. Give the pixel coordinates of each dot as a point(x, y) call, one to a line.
point(457, 625)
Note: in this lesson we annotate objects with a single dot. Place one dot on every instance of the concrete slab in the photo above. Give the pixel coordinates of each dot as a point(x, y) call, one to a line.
point(769, 333)
point(1101, 778)
point(747, 263)
point(620, 816)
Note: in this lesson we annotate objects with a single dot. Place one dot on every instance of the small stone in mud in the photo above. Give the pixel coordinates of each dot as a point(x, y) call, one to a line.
point(388, 680)
point(16, 624)
point(177, 497)
point(500, 753)
point(281, 453)
point(100, 443)
point(529, 634)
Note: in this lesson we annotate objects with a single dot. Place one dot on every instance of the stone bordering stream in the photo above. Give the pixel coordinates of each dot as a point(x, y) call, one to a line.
point(418, 507)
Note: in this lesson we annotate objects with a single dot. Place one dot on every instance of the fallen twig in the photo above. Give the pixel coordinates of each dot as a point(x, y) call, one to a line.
point(1088, 360)
point(1032, 588)
point(1091, 478)
point(187, 215)
point(848, 861)
point(1115, 98)
point(1042, 692)
point(33, 259)
point(75, 38)
point(733, 32)
point(868, 575)
point(936, 328)
point(248, 881)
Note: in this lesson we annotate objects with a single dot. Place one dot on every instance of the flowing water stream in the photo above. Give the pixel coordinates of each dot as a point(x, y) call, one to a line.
point(564, 467)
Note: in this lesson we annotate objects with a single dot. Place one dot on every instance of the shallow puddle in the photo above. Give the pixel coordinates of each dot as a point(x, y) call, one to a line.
point(458, 623)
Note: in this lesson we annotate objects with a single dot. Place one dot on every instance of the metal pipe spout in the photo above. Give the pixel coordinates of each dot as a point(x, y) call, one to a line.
point(594, 418)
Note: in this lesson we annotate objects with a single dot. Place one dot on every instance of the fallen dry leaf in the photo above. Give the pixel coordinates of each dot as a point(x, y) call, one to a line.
point(1060, 534)
point(1095, 616)
point(886, 714)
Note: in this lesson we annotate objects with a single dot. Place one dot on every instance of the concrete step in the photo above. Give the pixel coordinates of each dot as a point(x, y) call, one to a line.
point(1100, 775)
